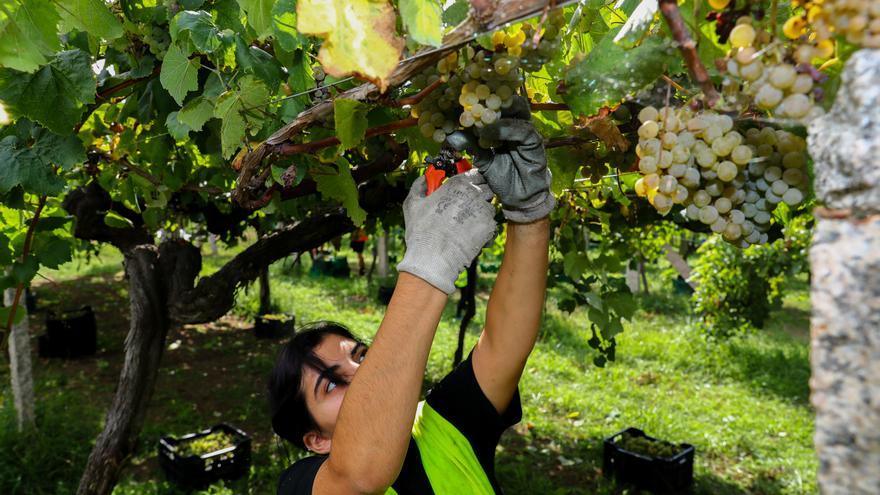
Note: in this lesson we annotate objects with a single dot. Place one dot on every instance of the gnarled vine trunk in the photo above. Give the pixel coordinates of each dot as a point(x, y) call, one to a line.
point(164, 291)
point(845, 258)
point(143, 351)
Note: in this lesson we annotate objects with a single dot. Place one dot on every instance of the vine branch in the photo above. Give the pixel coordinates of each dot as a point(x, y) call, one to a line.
point(102, 96)
point(669, 9)
point(418, 97)
point(548, 106)
point(292, 149)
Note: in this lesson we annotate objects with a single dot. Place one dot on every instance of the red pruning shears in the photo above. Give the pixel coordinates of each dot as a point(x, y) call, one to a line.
point(446, 164)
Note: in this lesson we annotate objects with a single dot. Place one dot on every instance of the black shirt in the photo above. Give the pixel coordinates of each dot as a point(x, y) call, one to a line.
point(460, 400)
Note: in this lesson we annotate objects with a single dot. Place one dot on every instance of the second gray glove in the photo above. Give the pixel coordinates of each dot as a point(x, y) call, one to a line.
point(517, 168)
point(446, 230)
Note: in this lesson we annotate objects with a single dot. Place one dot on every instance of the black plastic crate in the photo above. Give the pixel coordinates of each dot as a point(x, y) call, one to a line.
point(199, 471)
point(336, 266)
point(274, 326)
point(658, 474)
point(69, 334)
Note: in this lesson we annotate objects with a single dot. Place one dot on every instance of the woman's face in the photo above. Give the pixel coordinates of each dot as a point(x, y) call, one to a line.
point(323, 397)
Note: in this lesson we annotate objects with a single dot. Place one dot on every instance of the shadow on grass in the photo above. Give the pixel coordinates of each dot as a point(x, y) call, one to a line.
point(667, 303)
point(49, 459)
point(784, 372)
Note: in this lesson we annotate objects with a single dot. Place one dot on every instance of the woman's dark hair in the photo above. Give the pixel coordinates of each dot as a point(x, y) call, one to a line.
point(291, 418)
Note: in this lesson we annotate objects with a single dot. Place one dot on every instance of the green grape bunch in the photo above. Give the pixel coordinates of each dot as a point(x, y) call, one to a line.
point(207, 444)
point(157, 39)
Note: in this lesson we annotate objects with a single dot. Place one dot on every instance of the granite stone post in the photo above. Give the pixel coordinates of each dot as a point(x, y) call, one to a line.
point(845, 293)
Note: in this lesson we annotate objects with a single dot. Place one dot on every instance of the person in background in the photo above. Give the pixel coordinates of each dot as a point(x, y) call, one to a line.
point(358, 239)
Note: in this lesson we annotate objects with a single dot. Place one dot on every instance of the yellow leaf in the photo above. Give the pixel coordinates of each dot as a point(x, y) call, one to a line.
point(360, 37)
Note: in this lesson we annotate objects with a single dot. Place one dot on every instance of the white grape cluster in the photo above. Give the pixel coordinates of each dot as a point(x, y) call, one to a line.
point(474, 94)
point(858, 21)
point(725, 180)
point(485, 86)
point(438, 112)
point(778, 87)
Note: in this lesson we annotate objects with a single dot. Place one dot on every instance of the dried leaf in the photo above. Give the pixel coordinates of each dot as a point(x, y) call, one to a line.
point(360, 37)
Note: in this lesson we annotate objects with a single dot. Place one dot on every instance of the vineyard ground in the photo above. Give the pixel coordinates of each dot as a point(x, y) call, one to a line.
point(743, 402)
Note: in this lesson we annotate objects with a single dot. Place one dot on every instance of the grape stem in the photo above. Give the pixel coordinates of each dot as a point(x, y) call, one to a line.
point(669, 9)
point(418, 97)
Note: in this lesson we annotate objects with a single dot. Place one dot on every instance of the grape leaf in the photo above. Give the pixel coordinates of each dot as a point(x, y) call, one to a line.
point(91, 16)
point(284, 22)
point(564, 163)
point(196, 112)
point(19, 165)
point(456, 12)
point(177, 129)
point(231, 107)
point(301, 77)
point(638, 24)
point(197, 27)
point(179, 74)
point(342, 188)
point(253, 60)
point(47, 224)
point(53, 95)
point(29, 37)
point(232, 129)
point(115, 220)
point(52, 251)
point(5, 251)
point(259, 16)
point(359, 37)
point(351, 122)
point(575, 264)
point(611, 73)
point(64, 151)
point(421, 18)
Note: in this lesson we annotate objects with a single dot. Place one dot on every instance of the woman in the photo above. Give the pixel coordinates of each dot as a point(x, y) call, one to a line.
point(361, 415)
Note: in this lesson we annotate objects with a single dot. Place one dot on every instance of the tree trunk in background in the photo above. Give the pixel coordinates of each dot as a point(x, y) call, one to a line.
point(845, 258)
point(143, 351)
point(212, 240)
point(632, 278)
point(21, 369)
point(643, 275)
point(265, 294)
point(382, 253)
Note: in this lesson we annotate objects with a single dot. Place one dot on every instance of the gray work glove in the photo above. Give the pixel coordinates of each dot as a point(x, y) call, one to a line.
point(446, 230)
point(517, 168)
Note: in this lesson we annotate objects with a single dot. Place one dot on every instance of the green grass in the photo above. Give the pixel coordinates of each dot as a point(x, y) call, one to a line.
point(742, 402)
